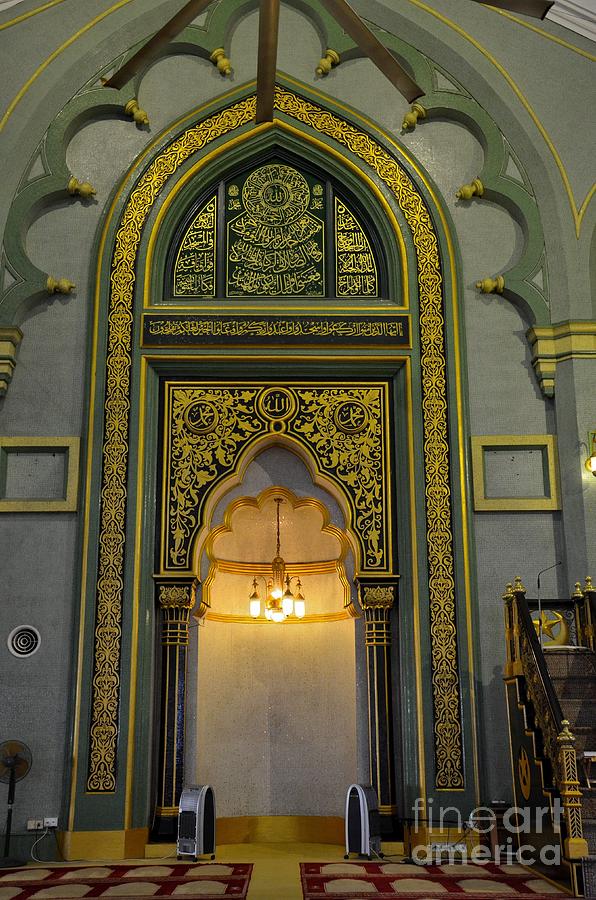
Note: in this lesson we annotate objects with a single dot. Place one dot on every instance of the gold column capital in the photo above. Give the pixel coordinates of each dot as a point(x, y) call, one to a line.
point(377, 592)
point(179, 596)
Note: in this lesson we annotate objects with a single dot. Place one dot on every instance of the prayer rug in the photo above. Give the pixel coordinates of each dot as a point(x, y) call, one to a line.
point(388, 881)
point(198, 881)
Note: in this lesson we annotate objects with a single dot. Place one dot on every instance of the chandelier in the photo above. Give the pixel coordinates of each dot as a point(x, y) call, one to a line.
point(280, 602)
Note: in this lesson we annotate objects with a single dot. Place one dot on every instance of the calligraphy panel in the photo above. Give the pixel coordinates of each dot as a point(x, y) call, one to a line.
point(356, 270)
point(194, 269)
point(275, 225)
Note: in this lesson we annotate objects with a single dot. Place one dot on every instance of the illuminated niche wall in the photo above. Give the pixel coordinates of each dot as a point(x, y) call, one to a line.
point(280, 698)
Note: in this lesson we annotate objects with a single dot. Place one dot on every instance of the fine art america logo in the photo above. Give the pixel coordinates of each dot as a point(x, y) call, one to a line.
point(476, 837)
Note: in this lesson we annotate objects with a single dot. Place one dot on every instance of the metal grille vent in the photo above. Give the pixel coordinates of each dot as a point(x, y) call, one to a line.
point(24, 640)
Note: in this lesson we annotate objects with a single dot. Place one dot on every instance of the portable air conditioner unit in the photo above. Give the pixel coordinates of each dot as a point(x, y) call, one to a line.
point(196, 822)
point(363, 822)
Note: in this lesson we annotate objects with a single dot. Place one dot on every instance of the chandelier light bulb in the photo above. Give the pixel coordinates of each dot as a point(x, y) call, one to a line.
point(255, 608)
point(279, 603)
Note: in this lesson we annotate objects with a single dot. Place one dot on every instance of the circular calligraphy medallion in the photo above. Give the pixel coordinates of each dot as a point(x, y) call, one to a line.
point(275, 195)
point(351, 417)
point(201, 417)
point(277, 405)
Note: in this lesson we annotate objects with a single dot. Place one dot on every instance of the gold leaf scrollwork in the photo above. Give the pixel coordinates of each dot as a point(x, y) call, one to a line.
point(174, 595)
point(344, 428)
point(445, 679)
point(103, 731)
point(200, 453)
point(378, 597)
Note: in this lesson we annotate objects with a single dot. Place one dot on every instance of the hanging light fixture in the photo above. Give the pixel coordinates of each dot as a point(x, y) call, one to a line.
point(591, 460)
point(280, 602)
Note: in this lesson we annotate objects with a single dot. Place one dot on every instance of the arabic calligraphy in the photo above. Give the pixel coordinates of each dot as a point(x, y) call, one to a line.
point(275, 244)
point(194, 271)
point(356, 272)
point(176, 329)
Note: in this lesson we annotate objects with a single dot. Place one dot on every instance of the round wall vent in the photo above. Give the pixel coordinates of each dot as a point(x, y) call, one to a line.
point(24, 640)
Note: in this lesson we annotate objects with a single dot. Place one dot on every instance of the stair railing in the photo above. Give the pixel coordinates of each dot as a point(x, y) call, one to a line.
point(525, 658)
point(586, 613)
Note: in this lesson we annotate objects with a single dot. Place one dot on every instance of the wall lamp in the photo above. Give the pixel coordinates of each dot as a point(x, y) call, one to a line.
point(591, 460)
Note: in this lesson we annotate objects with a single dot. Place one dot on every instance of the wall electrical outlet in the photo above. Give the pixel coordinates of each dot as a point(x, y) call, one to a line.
point(50, 822)
point(34, 824)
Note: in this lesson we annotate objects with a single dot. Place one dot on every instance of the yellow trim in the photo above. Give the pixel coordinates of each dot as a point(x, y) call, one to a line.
point(415, 592)
point(364, 359)
point(313, 619)
point(545, 34)
point(577, 215)
point(21, 93)
point(126, 844)
point(28, 15)
point(68, 503)
point(239, 567)
point(552, 344)
point(269, 830)
point(248, 136)
point(248, 569)
point(130, 750)
point(547, 442)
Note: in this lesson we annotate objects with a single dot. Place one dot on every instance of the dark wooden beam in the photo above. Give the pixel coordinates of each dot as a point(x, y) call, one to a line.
point(535, 8)
point(373, 48)
point(267, 60)
point(151, 49)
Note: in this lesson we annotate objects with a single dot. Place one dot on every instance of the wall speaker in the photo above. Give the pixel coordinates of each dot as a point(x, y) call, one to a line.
point(196, 822)
point(363, 822)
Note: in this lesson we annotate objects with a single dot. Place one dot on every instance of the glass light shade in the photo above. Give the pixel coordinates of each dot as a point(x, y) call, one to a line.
point(591, 463)
point(267, 613)
point(277, 593)
point(299, 608)
point(288, 604)
point(255, 608)
point(277, 615)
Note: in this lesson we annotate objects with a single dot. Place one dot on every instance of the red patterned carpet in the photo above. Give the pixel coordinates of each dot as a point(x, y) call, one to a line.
point(203, 881)
point(386, 881)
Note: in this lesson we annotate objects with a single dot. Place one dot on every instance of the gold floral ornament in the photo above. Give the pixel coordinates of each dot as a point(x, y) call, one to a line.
point(209, 429)
point(344, 429)
point(103, 730)
point(381, 597)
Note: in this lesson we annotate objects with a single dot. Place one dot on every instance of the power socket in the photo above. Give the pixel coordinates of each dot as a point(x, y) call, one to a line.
point(50, 822)
point(34, 824)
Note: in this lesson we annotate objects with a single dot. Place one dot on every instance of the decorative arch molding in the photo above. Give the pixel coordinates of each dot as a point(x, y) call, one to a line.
point(112, 533)
point(203, 539)
point(344, 539)
point(451, 102)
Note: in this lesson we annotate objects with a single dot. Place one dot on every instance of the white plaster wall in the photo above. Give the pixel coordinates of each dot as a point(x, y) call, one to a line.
point(276, 717)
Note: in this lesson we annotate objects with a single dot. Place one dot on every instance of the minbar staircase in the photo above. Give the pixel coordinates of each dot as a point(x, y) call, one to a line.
point(572, 672)
point(550, 679)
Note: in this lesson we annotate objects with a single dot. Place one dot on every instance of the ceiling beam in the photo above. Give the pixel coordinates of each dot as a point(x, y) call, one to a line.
point(267, 59)
point(373, 48)
point(152, 48)
point(535, 8)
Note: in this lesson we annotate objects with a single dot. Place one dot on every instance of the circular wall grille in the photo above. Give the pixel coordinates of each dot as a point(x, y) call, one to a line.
point(24, 640)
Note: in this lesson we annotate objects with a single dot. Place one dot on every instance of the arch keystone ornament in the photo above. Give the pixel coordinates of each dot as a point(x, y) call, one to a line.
point(313, 406)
